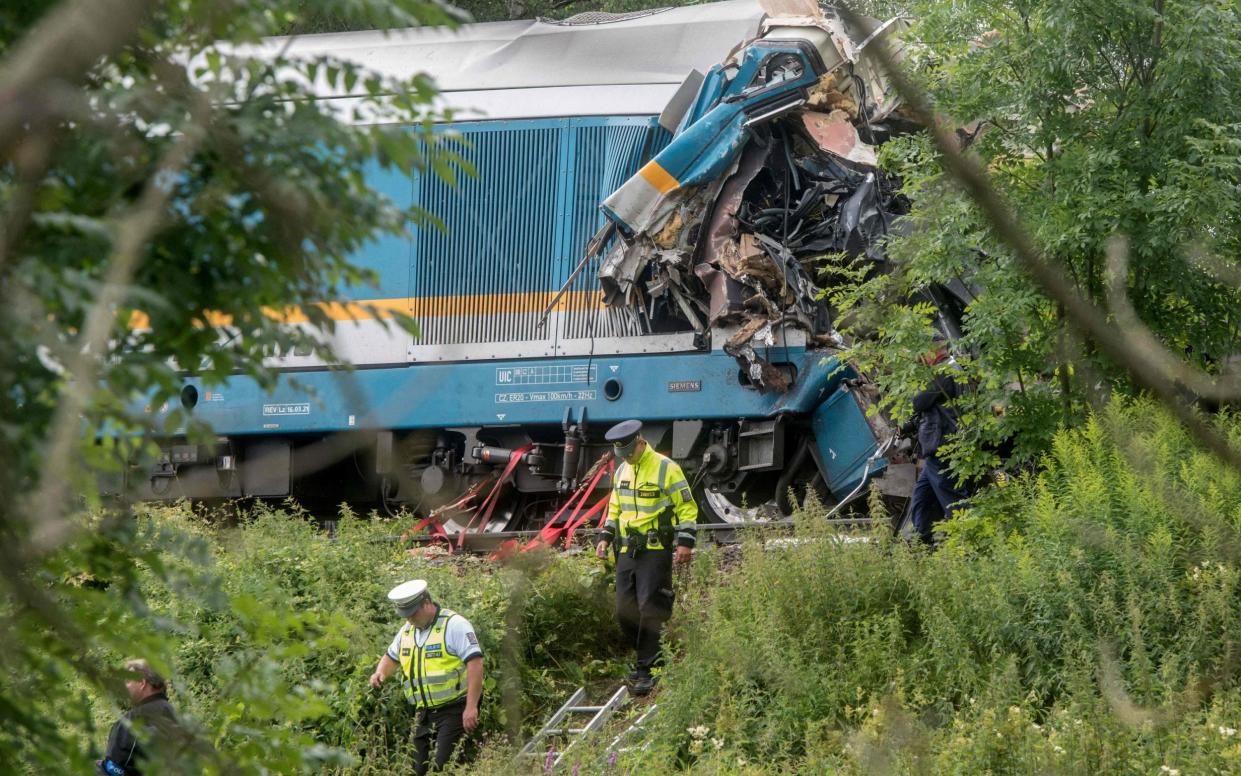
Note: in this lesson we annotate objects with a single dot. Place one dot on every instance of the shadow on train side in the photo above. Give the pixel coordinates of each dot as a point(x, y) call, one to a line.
point(709, 197)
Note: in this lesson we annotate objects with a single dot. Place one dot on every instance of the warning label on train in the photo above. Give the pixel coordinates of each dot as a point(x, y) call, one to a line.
point(533, 396)
point(685, 386)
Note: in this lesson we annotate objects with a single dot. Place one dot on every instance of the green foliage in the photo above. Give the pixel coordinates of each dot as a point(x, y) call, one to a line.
point(263, 215)
point(1082, 620)
point(165, 196)
point(1100, 119)
point(270, 630)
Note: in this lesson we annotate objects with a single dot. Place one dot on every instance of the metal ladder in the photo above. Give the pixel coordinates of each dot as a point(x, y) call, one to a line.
point(636, 727)
point(558, 726)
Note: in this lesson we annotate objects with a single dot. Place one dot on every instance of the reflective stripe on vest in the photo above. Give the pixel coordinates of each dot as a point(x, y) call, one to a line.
point(643, 492)
point(432, 676)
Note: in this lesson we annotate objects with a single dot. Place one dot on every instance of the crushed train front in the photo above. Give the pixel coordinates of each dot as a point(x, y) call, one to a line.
point(716, 164)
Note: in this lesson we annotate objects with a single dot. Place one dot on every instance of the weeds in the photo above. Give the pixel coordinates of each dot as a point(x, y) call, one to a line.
point(274, 608)
point(1081, 620)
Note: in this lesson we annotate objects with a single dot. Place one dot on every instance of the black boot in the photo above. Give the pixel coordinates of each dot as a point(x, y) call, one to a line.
point(643, 685)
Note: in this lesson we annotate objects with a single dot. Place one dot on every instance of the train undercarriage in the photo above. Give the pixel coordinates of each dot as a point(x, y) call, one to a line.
point(741, 471)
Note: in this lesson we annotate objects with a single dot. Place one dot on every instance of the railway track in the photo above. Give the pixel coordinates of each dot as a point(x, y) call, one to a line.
point(718, 533)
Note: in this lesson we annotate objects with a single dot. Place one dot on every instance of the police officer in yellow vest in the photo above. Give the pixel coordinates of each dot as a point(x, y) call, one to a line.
point(442, 662)
point(651, 510)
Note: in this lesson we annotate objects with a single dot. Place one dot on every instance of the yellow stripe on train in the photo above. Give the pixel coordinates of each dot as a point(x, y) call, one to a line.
point(418, 307)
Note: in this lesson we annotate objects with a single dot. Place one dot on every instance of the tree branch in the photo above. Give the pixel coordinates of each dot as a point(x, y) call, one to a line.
point(132, 233)
point(1084, 316)
point(62, 47)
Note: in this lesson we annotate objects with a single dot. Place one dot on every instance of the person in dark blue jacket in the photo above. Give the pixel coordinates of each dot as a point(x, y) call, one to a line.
point(151, 713)
point(935, 496)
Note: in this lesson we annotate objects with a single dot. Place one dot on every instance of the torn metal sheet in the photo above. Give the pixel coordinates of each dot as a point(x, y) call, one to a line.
point(772, 167)
point(680, 103)
point(835, 133)
point(771, 79)
point(760, 372)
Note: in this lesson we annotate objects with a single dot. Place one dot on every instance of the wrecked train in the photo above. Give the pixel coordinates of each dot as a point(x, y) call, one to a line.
point(714, 152)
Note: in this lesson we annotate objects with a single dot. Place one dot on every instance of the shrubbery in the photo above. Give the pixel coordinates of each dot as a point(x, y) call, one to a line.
point(271, 629)
point(1081, 621)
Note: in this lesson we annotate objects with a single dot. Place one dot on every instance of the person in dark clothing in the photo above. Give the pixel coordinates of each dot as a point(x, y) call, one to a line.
point(651, 524)
point(935, 496)
point(154, 718)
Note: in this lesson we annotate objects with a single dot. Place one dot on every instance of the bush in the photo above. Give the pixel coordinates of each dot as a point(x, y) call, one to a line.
point(274, 629)
point(1083, 620)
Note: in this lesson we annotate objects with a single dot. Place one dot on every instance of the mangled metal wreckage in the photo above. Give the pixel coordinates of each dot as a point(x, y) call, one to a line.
point(771, 167)
point(492, 417)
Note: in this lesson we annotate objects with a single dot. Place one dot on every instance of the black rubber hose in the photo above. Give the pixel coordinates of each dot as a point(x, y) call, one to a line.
point(786, 478)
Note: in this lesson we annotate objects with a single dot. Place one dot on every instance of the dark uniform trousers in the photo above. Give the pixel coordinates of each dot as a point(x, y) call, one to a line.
point(935, 497)
point(644, 601)
point(444, 723)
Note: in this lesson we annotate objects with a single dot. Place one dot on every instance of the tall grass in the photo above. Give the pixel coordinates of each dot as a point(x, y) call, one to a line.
point(274, 610)
point(1084, 620)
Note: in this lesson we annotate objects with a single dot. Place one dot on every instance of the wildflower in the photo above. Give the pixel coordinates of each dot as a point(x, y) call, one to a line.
point(698, 731)
point(1227, 732)
point(1058, 749)
point(1169, 771)
point(1014, 710)
point(718, 743)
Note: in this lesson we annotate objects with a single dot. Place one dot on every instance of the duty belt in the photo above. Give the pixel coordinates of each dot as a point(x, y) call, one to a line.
point(634, 543)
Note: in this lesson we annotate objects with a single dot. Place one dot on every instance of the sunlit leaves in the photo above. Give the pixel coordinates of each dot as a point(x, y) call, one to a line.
point(1095, 120)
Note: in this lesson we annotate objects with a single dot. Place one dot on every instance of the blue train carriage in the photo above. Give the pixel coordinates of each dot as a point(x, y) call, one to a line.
point(676, 139)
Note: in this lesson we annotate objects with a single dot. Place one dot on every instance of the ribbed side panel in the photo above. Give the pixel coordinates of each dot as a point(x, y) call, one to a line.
point(500, 238)
point(518, 228)
point(604, 158)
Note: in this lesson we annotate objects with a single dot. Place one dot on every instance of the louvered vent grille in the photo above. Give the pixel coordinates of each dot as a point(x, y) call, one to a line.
point(516, 230)
point(604, 157)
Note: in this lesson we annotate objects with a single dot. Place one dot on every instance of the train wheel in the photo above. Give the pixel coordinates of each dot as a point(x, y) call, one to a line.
point(721, 508)
point(509, 514)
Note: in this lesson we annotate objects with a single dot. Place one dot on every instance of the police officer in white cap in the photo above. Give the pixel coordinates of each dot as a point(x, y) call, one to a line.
point(442, 662)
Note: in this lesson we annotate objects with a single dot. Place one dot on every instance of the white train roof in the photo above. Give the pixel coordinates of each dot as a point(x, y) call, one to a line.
point(593, 64)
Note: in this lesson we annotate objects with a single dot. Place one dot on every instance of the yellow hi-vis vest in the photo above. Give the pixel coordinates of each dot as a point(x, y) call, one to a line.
point(644, 490)
point(432, 676)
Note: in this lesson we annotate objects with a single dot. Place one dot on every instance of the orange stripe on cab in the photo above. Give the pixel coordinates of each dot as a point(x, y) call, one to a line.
point(658, 177)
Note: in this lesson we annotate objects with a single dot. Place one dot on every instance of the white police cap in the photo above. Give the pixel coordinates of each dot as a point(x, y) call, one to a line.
point(408, 596)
